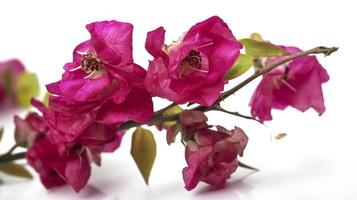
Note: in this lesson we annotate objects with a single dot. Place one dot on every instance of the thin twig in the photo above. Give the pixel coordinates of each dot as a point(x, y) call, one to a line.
point(9, 158)
point(219, 108)
point(12, 149)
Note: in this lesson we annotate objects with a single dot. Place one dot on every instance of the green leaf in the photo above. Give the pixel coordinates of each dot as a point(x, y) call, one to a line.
point(261, 48)
point(243, 63)
point(27, 88)
point(15, 170)
point(143, 151)
point(256, 36)
point(174, 110)
point(1, 133)
point(46, 98)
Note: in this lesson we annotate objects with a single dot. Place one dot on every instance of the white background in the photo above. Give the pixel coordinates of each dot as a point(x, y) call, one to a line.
point(315, 161)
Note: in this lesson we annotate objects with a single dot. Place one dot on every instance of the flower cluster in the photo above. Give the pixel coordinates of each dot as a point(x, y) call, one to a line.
point(103, 89)
point(100, 89)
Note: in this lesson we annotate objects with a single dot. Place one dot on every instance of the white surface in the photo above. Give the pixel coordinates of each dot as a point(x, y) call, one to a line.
point(315, 161)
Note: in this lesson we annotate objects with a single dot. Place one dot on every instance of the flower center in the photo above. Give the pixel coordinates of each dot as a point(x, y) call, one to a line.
point(90, 63)
point(192, 63)
point(193, 59)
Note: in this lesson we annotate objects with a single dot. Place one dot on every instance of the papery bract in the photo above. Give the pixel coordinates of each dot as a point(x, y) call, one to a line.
point(192, 70)
point(297, 84)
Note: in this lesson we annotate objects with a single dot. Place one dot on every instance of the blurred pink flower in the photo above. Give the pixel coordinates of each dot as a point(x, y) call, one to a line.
point(9, 73)
point(192, 70)
point(297, 84)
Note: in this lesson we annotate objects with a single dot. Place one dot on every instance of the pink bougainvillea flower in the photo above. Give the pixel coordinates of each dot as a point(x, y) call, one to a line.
point(212, 156)
point(9, 73)
point(103, 78)
point(60, 156)
point(297, 84)
point(192, 70)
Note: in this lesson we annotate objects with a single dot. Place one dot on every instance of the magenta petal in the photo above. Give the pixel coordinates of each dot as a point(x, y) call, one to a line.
point(154, 43)
point(81, 90)
point(190, 117)
point(211, 27)
point(137, 106)
point(77, 171)
point(158, 81)
point(68, 125)
point(98, 135)
point(40, 156)
point(115, 144)
point(191, 174)
point(112, 41)
point(2, 94)
point(297, 84)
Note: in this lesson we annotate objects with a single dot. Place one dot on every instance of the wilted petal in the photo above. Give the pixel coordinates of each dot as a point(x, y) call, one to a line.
point(137, 106)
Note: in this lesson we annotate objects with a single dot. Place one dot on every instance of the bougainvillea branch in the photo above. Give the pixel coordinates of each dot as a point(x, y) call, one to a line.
point(103, 93)
point(157, 117)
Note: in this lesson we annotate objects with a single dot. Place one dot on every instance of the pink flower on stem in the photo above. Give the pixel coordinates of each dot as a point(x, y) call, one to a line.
point(192, 70)
point(212, 156)
point(9, 73)
point(297, 84)
point(103, 78)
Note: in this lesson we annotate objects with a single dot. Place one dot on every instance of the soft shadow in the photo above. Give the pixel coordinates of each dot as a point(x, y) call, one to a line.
point(238, 188)
point(238, 183)
point(66, 192)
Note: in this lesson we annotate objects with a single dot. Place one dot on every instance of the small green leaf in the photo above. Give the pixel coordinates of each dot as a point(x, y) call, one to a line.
point(15, 170)
point(256, 36)
point(243, 63)
point(174, 110)
point(27, 88)
point(261, 48)
point(46, 98)
point(143, 151)
point(1, 133)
